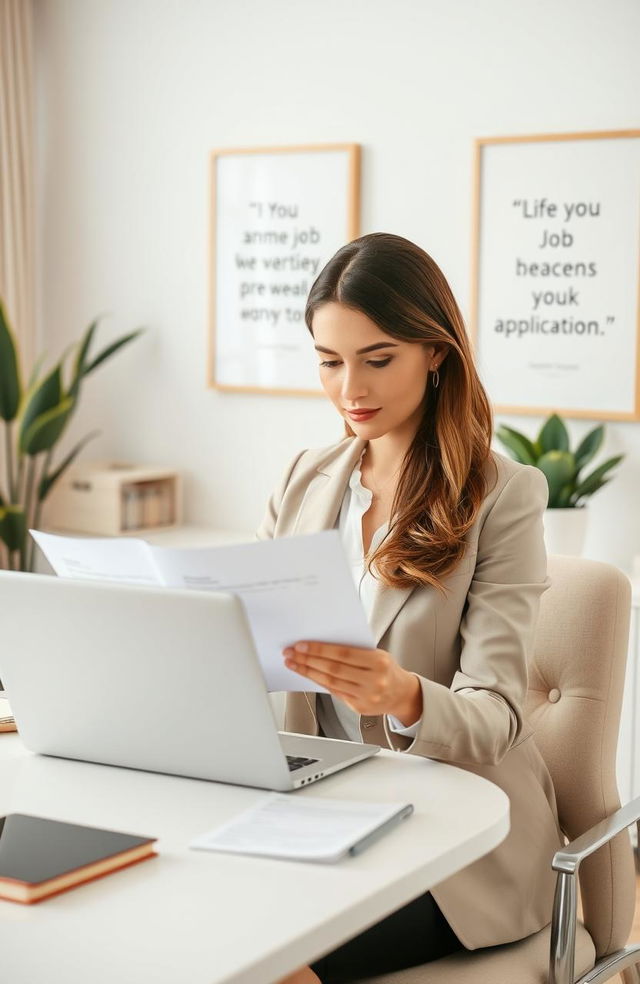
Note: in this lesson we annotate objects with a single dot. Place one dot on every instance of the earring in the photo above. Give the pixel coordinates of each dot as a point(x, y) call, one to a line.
point(436, 379)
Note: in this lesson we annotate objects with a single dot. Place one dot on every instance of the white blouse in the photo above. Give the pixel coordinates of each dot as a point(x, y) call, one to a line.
point(355, 504)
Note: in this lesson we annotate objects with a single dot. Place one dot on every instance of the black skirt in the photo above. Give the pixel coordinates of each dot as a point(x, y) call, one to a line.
point(415, 934)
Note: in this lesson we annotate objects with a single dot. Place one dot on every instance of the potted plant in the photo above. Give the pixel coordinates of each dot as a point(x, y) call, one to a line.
point(35, 417)
point(569, 487)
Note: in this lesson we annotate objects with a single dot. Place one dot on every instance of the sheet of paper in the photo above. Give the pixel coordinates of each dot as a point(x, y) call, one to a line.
point(292, 588)
point(303, 828)
point(99, 558)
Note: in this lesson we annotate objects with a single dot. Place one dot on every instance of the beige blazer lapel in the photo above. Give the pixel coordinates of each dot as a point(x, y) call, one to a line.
point(387, 603)
point(325, 492)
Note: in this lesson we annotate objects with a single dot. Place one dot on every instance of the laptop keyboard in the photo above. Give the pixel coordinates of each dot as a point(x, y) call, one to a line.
point(298, 762)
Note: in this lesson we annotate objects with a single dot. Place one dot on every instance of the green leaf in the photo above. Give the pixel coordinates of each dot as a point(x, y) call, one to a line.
point(592, 482)
point(44, 398)
point(553, 435)
point(13, 527)
point(48, 481)
point(564, 497)
point(559, 468)
point(111, 349)
point(47, 429)
point(519, 446)
point(10, 389)
point(589, 446)
point(596, 485)
point(35, 372)
point(81, 357)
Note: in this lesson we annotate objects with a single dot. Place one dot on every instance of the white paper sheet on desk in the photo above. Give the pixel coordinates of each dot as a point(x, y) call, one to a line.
point(283, 825)
point(292, 588)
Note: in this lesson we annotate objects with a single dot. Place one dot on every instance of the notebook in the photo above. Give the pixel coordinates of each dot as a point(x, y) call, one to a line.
point(7, 720)
point(41, 857)
point(304, 829)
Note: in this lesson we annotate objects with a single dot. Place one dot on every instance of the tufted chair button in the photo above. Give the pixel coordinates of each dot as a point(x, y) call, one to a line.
point(554, 696)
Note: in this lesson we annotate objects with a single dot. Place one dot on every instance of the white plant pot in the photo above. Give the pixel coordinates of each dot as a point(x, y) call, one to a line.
point(565, 530)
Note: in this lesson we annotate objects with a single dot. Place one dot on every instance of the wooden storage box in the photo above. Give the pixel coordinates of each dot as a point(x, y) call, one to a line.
point(111, 497)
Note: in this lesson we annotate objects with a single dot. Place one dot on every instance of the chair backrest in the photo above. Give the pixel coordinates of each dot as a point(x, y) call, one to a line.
point(576, 681)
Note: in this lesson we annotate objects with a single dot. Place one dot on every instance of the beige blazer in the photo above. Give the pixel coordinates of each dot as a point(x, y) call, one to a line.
point(470, 652)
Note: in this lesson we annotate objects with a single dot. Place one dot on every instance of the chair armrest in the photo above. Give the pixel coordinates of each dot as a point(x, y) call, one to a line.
point(565, 906)
point(569, 858)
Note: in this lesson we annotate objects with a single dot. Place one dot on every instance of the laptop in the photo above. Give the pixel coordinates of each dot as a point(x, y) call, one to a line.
point(158, 679)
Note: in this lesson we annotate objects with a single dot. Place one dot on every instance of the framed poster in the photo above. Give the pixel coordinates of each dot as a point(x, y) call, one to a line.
point(555, 285)
point(278, 214)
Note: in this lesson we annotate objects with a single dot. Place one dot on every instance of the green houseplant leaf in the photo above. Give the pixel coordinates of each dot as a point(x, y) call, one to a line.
point(48, 480)
point(10, 389)
point(111, 350)
point(593, 482)
point(551, 453)
point(563, 500)
point(81, 358)
point(553, 435)
point(13, 527)
point(519, 446)
point(559, 469)
point(41, 415)
point(589, 446)
point(43, 397)
point(47, 429)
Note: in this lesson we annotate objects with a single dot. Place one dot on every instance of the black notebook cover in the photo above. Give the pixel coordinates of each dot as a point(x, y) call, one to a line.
point(34, 850)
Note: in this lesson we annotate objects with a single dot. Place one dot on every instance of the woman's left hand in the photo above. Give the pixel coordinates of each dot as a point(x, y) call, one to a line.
point(369, 681)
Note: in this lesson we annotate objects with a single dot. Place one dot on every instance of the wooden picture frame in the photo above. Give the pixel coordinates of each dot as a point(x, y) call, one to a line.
point(277, 215)
point(555, 316)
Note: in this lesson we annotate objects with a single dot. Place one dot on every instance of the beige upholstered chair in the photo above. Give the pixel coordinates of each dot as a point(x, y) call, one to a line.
point(576, 679)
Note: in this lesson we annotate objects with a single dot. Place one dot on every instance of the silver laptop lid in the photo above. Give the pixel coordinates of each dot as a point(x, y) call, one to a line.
point(150, 678)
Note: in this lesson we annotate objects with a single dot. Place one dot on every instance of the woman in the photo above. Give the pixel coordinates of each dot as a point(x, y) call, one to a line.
point(445, 542)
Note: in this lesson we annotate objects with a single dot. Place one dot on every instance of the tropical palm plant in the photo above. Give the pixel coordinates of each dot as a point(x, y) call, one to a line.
point(35, 417)
point(563, 468)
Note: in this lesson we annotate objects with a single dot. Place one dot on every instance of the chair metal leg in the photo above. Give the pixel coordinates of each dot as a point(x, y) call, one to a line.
point(563, 930)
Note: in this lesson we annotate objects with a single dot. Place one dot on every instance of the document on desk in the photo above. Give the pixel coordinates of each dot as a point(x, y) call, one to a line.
point(292, 588)
point(284, 825)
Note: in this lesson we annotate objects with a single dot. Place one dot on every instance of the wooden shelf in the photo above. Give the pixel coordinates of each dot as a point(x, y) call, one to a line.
point(114, 498)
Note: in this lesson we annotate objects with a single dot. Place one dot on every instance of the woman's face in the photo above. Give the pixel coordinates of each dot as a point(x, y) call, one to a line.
point(364, 369)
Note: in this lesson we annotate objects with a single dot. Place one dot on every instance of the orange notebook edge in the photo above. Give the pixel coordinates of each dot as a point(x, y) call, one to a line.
point(28, 895)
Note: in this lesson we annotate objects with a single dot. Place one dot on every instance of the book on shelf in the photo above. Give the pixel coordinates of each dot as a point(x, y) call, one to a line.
point(40, 857)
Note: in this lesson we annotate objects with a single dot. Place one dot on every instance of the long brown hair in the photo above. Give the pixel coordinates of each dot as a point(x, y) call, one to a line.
point(442, 481)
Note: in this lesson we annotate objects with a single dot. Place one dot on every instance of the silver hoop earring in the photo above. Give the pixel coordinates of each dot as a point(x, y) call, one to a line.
point(436, 379)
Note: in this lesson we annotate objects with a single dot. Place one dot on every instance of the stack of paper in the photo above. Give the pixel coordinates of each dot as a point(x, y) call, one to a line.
point(284, 825)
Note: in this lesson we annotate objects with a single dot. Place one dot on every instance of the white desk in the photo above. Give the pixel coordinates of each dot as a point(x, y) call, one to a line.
point(190, 917)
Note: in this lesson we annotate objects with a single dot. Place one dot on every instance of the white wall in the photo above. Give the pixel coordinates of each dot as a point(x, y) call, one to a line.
point(132, 96)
